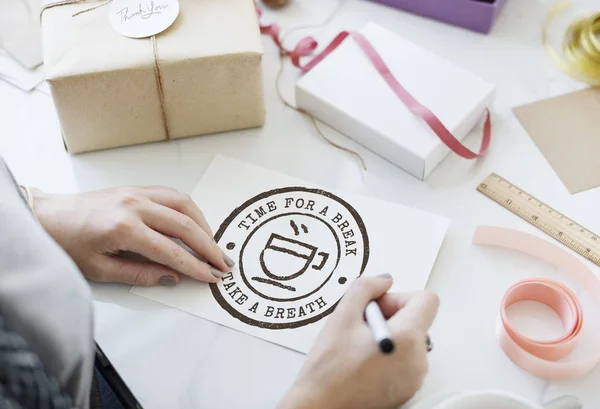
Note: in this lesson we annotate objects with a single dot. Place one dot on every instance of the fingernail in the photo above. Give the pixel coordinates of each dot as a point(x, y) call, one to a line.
point(228, 260)
point(386, 276)
point(216, 272)
point(167, 281)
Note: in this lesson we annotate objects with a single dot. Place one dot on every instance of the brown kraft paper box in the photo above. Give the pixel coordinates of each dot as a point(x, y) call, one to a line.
point(105, 86)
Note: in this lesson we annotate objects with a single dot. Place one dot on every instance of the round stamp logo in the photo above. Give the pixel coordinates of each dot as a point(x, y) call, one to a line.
point(297, 250)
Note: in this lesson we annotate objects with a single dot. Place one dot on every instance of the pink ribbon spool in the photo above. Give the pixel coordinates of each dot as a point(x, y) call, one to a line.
point(540, 358)
point(556, 296)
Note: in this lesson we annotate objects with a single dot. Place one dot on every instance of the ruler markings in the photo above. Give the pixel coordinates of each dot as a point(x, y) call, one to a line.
point(537, 213)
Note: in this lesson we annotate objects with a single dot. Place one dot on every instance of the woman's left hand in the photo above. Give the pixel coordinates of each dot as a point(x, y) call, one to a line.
point(98, 228)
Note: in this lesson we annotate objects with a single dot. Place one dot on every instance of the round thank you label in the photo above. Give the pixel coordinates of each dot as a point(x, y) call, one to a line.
point(297, 250)
point(142, 18)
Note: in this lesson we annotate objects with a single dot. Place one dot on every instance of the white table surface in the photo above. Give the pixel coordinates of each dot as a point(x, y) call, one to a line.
point(174, 360)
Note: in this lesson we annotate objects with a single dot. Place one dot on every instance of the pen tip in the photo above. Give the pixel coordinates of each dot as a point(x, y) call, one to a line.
point(386, 345)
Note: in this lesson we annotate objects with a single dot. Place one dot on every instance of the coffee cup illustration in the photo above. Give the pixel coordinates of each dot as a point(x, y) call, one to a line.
point(284, 259)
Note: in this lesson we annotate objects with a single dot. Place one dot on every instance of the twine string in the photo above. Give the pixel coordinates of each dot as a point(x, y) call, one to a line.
point(92, 8)
point(312, 118)
point(159, 83)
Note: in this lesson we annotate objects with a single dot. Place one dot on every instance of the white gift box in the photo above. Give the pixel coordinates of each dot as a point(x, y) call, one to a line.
point(346, 92)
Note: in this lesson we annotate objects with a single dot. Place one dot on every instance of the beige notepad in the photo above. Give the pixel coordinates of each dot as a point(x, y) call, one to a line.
point(566, 129)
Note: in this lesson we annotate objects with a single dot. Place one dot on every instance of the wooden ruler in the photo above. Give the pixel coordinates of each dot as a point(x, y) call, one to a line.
point(542, 216)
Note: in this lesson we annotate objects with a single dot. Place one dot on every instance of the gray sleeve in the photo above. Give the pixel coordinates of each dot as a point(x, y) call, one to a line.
point(24, 382)
point(43, 296)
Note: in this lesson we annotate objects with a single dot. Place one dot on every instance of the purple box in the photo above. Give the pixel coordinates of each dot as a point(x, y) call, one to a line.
point(472, 14)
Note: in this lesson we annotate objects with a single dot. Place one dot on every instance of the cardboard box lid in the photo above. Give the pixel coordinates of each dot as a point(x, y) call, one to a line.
point(87, 43)
point(347, 80)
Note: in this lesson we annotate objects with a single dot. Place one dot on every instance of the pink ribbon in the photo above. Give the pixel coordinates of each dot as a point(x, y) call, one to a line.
point(543, 358)
point(306, 47)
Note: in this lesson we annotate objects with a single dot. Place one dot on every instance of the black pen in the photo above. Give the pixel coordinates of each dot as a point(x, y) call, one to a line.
point(380, 330)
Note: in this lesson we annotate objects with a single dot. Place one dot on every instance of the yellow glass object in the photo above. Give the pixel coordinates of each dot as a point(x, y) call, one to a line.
point(579, 53)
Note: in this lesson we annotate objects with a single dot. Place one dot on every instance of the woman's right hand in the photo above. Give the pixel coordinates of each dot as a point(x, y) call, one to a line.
point(346, 370)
